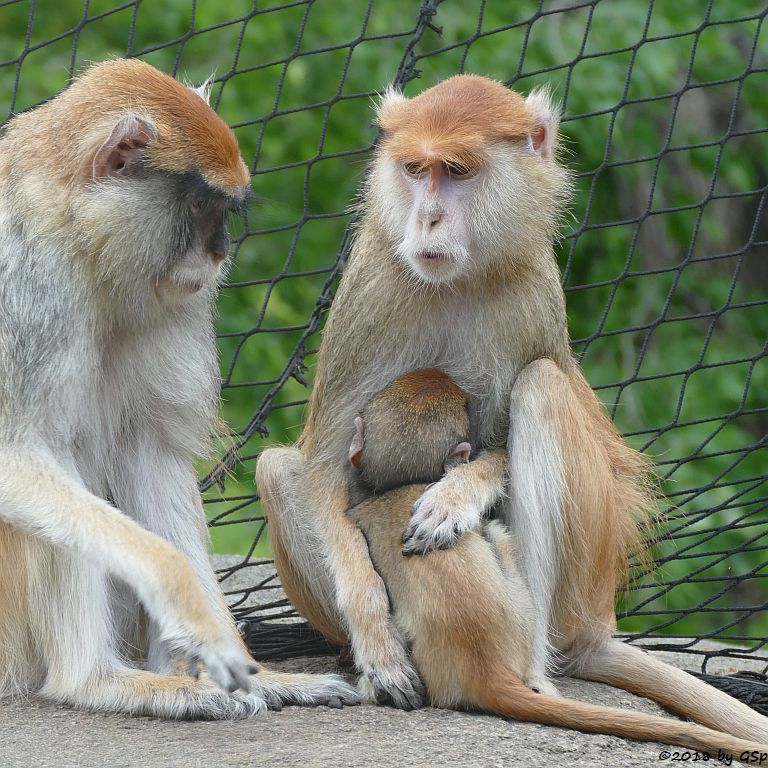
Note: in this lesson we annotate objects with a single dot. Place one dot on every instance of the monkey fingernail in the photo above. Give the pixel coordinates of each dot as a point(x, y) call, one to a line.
point(253, 669)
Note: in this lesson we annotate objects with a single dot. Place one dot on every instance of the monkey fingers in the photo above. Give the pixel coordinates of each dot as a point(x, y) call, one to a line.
point(440, 517)
point(400, 688)
point(226, 666)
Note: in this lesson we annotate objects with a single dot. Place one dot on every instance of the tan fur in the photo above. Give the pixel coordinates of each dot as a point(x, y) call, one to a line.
point(190, 135)
point(294, 583)
point(483, 328)
point(408, 405)
point(454, 121)
point(114, 200)
point(16, 646)
point(491, 314)
point(607, 478)
point(470, 637)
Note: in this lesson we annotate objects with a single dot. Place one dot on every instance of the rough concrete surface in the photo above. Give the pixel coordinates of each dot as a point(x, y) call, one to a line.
point(35, 734)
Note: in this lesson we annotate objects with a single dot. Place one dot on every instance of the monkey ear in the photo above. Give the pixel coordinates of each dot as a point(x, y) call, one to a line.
point(389, 100)
point(203, 90)
point(356, 446)
point(459, 455)
point(126, 144)
point(545, 113)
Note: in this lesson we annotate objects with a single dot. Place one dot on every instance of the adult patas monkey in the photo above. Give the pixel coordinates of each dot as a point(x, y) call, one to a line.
point(453, 268)
point(113, 206)
point(469, 637)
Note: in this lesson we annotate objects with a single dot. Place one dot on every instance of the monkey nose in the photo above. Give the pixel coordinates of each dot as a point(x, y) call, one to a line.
point(431, 220)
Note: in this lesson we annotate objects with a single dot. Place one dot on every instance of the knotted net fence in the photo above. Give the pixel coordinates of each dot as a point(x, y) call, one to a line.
point(664, 256)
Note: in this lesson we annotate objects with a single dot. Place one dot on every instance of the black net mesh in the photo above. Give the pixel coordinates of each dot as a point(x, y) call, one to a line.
point(664, 261)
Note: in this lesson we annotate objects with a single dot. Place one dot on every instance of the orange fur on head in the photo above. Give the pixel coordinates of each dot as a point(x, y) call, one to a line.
point(454, 121)
point(190, 136)
point(429, 390)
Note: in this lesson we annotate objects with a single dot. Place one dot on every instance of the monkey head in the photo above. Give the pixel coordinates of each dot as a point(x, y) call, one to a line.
point(464, 175)
point(412, 431)
point(140, 174)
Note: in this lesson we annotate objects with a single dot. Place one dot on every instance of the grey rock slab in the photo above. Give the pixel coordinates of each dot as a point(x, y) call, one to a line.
point(36, 734)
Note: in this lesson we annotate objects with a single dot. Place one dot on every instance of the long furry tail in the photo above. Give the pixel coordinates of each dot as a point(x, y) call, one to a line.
point(510, 698)
point(634, 670)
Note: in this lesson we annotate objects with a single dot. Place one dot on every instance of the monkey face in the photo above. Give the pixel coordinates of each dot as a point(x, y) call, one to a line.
point(159, 234)
point(199, 244)
point(425, 209)
point(449, 220)
point(464, 180)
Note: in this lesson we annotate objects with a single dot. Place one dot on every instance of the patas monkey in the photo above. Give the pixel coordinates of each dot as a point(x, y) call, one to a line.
point(466, 612)
point(453, 267)
point(113, 207)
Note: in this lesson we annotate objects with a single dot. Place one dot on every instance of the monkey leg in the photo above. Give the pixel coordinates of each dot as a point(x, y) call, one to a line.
point(173, 697)
point(573, 483)
point(521, 607)
point(296, 544)
point(324, 576)
point(159, 490)
point(168, 503)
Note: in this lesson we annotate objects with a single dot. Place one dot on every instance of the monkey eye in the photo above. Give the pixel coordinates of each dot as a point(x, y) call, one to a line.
point(458, 171)
point(413, 169)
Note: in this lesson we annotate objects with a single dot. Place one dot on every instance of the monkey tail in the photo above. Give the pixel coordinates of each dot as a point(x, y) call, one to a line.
point(625, 666)
point(508, 697)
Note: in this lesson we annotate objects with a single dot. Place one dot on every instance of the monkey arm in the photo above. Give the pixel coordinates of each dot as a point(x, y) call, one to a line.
point(158, 489)
point(388, 675)
point(456, 504)
point(44, 498)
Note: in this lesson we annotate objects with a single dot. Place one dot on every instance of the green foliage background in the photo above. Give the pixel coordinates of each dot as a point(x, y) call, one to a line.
point(665, 128)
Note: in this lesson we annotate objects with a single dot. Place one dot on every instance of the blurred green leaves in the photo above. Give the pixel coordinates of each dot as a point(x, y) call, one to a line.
point(664, 261)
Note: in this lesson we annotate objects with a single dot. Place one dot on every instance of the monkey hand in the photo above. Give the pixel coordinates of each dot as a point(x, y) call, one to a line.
point(229, 667)
point(394, 682)
point(191, 632)
point(443, 513)
point(381, 654)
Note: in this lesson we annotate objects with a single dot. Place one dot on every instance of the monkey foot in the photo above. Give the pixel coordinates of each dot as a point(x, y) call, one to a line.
point(282, 688)
point(542, 685)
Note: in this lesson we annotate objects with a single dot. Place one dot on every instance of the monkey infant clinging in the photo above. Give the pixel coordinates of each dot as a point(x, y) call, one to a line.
point(466, 611)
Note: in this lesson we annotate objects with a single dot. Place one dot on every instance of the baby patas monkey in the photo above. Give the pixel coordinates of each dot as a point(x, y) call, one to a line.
point(470, 636)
